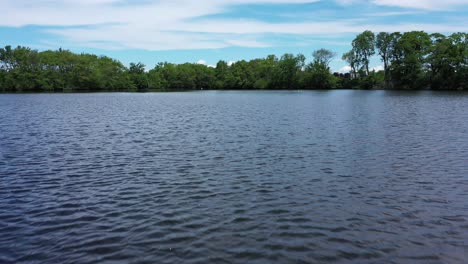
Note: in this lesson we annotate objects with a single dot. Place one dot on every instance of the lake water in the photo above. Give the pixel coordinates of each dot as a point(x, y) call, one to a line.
point(234, 177)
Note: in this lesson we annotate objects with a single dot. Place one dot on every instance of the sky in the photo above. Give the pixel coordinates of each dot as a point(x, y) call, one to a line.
point(206, 31)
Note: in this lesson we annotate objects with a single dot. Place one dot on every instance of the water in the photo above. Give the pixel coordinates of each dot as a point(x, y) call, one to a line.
point(234, 177)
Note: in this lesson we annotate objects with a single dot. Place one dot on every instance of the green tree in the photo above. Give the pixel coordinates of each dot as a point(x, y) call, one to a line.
point(3, 76)
point(364, 48)
point(323, 56)
point(204, 77)
point(412, 60)
point(287, 71)
point(138, 76)
point(460, 59)
point(264, 70)
point(351, 58)
point(409, 58)
point(319, 77)
point(112, 75)
point(385, 44)
point(221, 74)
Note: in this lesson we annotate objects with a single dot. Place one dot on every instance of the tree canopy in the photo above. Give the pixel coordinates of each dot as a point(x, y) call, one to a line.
point(411, 60)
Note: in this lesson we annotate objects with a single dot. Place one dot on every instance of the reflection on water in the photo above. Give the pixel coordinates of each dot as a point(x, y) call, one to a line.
point(234, 177)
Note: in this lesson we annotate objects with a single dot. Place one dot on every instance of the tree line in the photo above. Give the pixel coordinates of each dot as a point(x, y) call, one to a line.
point(412, 60)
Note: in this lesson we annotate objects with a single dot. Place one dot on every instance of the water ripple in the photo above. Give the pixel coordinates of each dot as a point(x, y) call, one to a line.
point(234, 177)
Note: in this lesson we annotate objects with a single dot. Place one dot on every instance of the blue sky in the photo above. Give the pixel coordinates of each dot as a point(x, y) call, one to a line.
point(205, 31)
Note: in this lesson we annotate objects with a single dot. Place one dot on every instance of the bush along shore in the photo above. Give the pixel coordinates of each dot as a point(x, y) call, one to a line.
point(412, 60)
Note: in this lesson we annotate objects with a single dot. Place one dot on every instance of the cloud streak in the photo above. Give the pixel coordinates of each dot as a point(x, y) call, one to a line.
point(423, 4)
point(186, 24)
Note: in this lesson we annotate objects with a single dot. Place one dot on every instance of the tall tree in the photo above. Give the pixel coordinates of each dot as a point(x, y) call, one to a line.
point(323, 56)
point(318, 76)
point(351, 58)
point(385, 44)
point(409, 59)
point(221, 74)
point(460, 58)
point(364, 47)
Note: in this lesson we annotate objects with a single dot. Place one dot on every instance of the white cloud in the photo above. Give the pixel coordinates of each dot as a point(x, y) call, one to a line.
point(345, 69)
point(414, 4)
point(378, 68)
point(423, 4)
point(397, 13)
point(203, 62)
point(92, 12)
point(183, 24)
point(347, 2)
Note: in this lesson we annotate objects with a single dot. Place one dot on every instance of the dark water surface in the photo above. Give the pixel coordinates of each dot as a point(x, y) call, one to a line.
point(234, 177)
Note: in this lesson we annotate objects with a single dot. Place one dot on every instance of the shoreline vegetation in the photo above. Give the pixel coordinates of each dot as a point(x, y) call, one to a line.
point(411, 61)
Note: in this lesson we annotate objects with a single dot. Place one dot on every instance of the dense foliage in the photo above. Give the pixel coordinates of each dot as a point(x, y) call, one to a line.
point(412, 60)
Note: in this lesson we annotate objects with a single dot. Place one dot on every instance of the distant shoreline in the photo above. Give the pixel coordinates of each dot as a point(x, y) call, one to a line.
point(411, 61)
point(233, 90)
